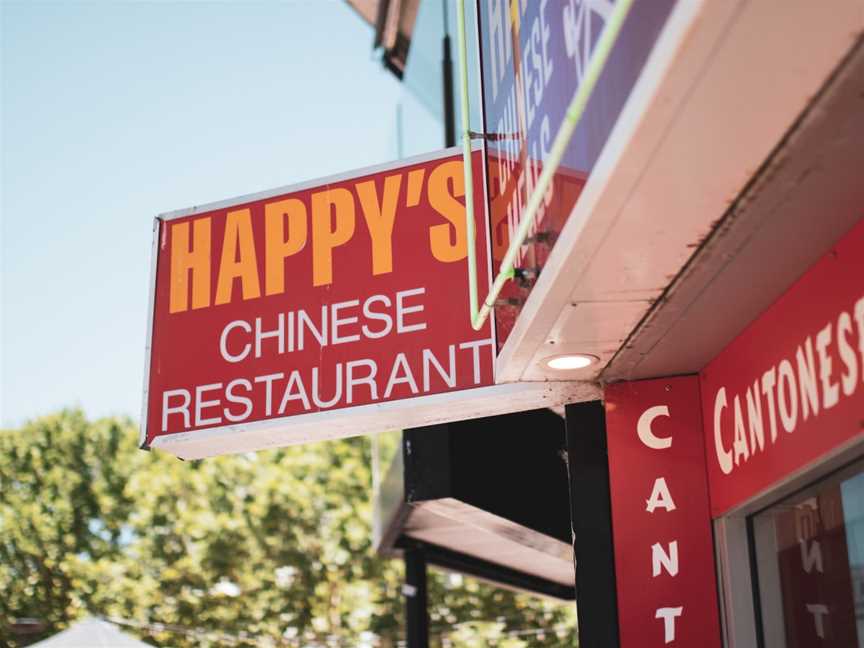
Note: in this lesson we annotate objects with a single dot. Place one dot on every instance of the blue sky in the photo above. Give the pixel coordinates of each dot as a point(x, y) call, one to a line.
point(113, 112)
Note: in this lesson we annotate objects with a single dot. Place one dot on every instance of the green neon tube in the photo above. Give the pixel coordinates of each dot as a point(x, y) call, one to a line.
point(471, 237)
point(550, 166)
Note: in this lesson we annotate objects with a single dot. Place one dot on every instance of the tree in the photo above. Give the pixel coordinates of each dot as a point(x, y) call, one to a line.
point(270, 548)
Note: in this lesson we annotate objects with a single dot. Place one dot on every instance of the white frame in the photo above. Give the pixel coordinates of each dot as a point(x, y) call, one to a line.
point(148, 338)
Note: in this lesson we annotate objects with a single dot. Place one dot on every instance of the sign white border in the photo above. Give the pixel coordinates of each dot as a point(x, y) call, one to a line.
point(373, 418)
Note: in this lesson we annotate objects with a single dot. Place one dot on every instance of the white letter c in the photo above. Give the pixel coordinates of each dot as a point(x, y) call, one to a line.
point(643, 427)
point(724, 456)
point(223, 341)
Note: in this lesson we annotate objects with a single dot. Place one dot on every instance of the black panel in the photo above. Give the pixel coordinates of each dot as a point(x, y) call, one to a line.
point(510, 465)
point(428, 463)
point(513, 466)
point(596, 604)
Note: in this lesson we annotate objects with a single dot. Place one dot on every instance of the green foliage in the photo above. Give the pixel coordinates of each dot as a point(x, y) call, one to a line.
point(264, 549)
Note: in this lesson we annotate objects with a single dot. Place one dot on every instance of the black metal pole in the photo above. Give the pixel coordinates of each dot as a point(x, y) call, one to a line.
point(591, 520)
point(447, 82)
point(449, 116)
point(416, 612)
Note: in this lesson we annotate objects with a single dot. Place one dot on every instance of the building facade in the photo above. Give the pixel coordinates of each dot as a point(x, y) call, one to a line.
point(697, 265)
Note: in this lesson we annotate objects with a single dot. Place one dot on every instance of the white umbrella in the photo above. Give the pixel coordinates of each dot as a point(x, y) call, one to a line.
point(91, 633)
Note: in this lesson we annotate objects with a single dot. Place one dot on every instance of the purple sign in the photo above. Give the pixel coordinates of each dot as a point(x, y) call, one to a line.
point(534, 55)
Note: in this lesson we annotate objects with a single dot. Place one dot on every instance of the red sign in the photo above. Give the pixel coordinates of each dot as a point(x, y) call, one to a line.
point(790, 388)
point(661, 523)
point(339, 293)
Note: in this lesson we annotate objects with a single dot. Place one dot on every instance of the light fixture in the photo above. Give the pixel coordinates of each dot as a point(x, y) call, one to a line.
point(571, 361)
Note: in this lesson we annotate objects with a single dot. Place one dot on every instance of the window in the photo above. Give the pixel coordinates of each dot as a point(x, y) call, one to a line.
point(810, 562)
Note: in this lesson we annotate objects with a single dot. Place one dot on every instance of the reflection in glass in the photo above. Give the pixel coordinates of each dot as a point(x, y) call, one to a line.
point(810, 559)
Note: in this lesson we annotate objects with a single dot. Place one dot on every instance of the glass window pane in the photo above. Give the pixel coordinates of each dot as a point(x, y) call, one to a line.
point(810, 560)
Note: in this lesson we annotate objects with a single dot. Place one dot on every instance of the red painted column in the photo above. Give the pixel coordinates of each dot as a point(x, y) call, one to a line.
point(661, 520)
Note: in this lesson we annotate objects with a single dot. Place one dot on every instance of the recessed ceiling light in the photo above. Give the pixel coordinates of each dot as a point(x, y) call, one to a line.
point(571, 361)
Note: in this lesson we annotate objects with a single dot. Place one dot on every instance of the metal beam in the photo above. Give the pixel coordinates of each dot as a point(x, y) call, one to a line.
point(416, 606)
